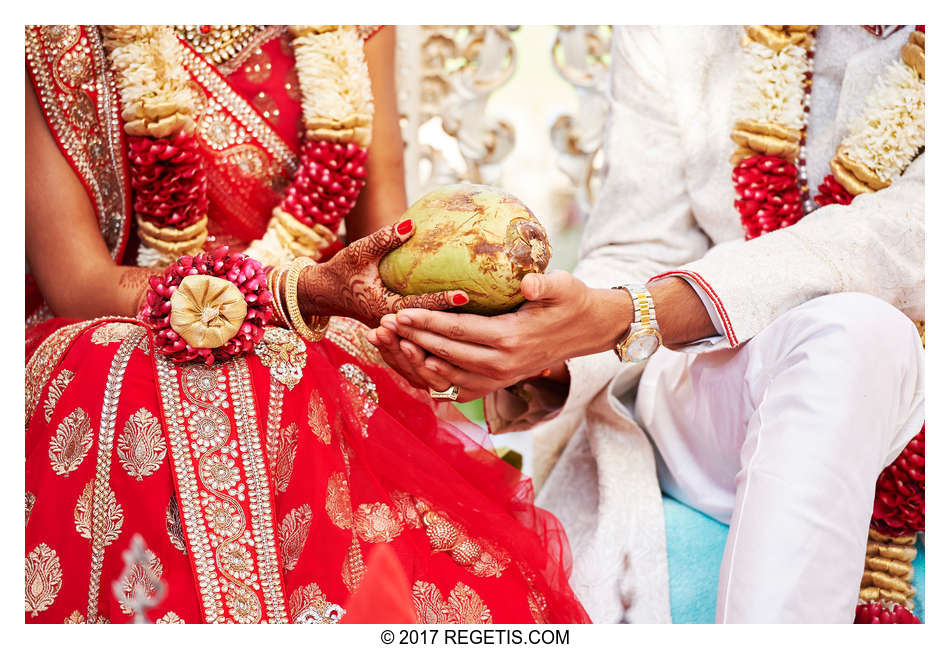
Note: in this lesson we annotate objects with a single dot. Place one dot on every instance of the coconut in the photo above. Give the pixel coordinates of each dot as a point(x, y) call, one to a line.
point(474, 238)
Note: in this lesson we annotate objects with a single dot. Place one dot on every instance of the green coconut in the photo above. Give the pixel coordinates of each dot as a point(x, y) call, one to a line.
point(474, 238)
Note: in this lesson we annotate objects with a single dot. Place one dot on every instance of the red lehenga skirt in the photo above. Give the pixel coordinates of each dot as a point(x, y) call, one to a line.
point(261, 486)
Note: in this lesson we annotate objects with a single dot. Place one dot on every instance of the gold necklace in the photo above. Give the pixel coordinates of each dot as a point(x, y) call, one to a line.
point(218, 42)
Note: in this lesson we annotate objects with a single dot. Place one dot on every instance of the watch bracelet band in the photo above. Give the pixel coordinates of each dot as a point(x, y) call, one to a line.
point(644, 311)
point(644, 316)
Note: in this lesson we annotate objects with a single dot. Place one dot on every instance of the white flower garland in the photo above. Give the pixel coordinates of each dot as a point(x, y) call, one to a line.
point(334, 81)
point(157, 101)
point(153, 82)
point(890, 130)
point(771, 87)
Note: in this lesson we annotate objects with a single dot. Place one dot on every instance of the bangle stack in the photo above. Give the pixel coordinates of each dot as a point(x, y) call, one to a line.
point(282, 282)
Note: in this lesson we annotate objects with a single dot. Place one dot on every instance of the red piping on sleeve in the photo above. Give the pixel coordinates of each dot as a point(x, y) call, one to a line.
point(720, 309)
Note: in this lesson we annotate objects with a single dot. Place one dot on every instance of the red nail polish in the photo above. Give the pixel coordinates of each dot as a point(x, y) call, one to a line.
point(404, 227)
point(458, 299)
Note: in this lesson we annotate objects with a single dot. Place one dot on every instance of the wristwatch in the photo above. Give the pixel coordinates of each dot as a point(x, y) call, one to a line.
point(644, 336)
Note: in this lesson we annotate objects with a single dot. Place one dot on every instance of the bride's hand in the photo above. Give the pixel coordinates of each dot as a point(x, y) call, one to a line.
point(349, 283)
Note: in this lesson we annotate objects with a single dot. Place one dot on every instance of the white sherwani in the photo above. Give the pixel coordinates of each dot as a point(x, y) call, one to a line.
point(667, 205)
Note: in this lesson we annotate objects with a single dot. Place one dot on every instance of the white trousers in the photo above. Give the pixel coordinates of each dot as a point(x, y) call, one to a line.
point(783, 439)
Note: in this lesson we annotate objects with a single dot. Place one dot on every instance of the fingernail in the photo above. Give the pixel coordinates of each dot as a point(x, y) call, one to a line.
point(459, 299)
point(404, 227)
point(403, 319)
point(432, 366)
point(406, 350)
point(389, 325)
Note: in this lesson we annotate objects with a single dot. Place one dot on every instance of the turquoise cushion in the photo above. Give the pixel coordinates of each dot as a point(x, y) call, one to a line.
point(694, 546)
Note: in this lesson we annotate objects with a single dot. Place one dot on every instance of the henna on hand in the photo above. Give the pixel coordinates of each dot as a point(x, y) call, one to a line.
point(134, 281)
point(349, 283)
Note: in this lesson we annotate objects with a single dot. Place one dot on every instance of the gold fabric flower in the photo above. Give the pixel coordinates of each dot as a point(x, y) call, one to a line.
point(207, 311)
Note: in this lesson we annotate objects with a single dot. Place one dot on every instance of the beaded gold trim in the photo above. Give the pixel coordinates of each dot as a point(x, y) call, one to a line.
point(250, 125)
point(259, 493)
point(186, 482)
point(227, 512)
point(219, 43)
point(101, 521)
point(79, 98)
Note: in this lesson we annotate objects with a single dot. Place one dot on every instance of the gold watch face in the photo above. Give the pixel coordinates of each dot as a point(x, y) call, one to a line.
point(641, 345)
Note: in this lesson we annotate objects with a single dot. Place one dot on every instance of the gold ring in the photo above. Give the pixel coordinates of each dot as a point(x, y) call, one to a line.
point(451, 393)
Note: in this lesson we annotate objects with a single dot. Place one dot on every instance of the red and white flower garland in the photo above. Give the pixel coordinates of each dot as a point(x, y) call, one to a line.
point(167, 175)
point(170, 186)
point(770, 181)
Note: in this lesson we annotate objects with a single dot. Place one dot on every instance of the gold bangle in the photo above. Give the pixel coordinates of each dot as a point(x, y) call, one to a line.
point(293, 308)
point(275, 277)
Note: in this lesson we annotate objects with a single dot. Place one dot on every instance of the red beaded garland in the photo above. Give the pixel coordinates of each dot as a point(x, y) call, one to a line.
point(877, 613)
point(168, 180)
point(768, 196)
point(327, 183)
point(244, 272)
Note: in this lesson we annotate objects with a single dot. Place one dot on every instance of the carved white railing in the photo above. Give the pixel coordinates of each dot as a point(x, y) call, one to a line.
point(581, 55)
point(446, 76)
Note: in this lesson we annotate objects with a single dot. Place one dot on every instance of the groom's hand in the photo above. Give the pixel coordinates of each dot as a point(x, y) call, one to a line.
point(561, 318)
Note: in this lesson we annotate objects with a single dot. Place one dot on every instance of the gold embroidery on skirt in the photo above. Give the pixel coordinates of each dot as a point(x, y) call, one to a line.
point(56, 388)
point(45, 359)
point(308, 605)
point(292, 535)
point(72, 441)
point(405, 504)
point(463, 605)
point(173, 525)
point(537, 603)
point(377, 523)
point(44, 578)
point(170, 618)
point(360, 391)
point(338, 504)
point(141, 576)
point(281, 450)
point(141, 446)
point(75, 618)
point(30, 501)
point(243, 604)
point(317, 417)
point(258, 492)
point(116, 332)
point(112, 515)
point(478, 556)
point(353, 566)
